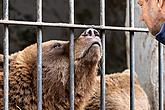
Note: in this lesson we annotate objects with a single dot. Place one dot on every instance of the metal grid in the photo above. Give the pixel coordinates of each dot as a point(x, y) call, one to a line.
point(71, 25)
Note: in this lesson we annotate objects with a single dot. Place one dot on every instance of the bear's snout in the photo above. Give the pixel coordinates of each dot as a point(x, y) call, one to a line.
point(91, 32)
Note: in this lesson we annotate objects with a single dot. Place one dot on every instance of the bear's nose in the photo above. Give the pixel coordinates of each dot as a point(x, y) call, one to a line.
point(91, 32)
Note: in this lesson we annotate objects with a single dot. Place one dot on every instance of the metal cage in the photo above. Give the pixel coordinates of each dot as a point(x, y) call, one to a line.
point(5, 21)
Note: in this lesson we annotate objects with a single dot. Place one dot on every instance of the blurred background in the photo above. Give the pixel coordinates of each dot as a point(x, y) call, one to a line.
point(86, 12)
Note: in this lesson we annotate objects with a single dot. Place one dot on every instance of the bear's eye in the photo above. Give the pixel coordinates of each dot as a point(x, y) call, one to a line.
point(58, 45)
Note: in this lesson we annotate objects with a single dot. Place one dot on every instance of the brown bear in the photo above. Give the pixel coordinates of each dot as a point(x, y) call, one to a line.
point(118, 93)
point(55, 56)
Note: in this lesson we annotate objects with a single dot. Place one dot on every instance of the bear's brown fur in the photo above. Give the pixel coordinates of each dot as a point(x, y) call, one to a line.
point(118, 94)
point(55, 55)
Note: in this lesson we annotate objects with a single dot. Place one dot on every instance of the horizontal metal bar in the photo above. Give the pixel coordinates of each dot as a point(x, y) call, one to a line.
point(78, 26)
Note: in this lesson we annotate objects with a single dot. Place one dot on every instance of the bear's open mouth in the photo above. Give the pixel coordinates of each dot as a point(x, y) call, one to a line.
point(95, 43)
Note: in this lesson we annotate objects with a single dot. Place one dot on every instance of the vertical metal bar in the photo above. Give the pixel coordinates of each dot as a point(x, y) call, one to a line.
point(71, 11)
point(39, 68)
point(102, 23)
point(6, 54)
point(39, 56)
point(160, 76)
point(132, 71)
point(103, 88)
point(5, 9)
point(71, 54)
point(132, 12)
point(132, 55)
point(39, 10)
point(6, 66)
point(102, 12)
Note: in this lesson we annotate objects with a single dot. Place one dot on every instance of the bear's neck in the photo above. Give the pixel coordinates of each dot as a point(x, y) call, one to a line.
point(85, 80)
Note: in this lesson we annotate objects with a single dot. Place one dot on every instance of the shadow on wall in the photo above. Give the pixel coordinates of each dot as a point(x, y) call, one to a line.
point(86, 12)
